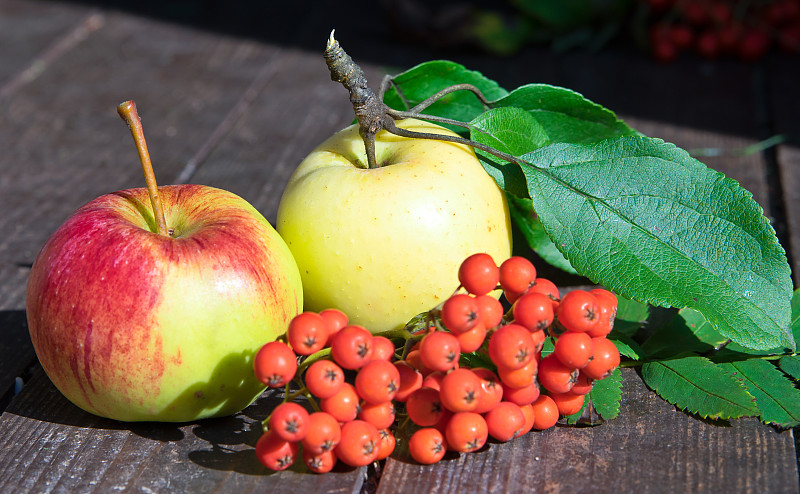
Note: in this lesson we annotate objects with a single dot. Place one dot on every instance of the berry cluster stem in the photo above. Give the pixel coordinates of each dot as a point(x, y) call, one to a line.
point(373, 115)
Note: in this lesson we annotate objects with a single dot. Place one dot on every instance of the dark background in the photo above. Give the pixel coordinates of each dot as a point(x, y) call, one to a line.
point(604, 55)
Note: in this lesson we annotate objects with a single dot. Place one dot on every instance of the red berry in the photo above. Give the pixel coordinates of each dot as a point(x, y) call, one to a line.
point(307, 333)
point(555, 376)
point(275, 452)
point(607, 302)
point(519, 378)
point(381, 415)
point(459, 391)
point(319, 462)
point(708, 45)
point(522, 396)
point(583, 385)
point(753, 45)
point(424, 407)
point(605, 358)
point(275, 364)
point(491, 391)
point(433, 380)
point(377, 382)
point(490, 310)
point(460, 313)
point(382, 348)
point(664, 51)
point(351, 347)
point(289, 420)
point(427, 446)
point(440, 351)
point(578, 311)
point(478, 274)
point(343, 405)
point(472, 340)
point(410, 380)
point(574, 350)
point(336, 320)
point(696, 13)
point(534, 311)
point(360, 443)
point(720, 12)
point(505, 421)
point(681, 36)
point(511, 346)
point(517, 274)
point(324, 433)
point(547, 287)
point(527, 411)
point(388, 442)
point(545, 413)
point(568, 403)
point(466, 432)
point(324, 378)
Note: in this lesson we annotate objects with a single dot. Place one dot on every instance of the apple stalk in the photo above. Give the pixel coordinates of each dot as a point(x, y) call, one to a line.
point(127, 111)
point(373, 115)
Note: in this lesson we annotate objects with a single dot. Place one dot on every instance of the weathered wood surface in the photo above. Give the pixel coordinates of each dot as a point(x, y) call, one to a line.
point(649, 447)
point(239, 114)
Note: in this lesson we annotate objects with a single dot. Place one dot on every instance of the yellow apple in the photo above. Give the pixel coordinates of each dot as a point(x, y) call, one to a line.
point(384, 244)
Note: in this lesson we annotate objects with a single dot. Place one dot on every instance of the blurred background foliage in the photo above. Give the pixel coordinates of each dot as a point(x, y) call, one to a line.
point(745, 29)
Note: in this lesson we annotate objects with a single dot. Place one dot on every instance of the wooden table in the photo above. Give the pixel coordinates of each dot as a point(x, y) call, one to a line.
point(239, 113)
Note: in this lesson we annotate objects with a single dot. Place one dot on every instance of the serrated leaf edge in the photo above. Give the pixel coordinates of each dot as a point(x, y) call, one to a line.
point(719, 415)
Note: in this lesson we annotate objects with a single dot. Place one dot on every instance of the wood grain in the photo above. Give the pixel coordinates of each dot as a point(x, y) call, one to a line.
point(240, 114)
point(49, 445)
point(650, 447)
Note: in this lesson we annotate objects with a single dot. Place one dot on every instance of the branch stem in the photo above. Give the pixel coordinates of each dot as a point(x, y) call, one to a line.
point(127, 111)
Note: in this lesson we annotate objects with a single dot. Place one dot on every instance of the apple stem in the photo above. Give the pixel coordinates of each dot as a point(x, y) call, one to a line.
point(127, 111)
point(374, 115)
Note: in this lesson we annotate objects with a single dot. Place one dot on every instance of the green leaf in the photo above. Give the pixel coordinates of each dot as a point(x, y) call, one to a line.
point(688, 331)
point(606, 395)
point(426, 79)
point(790, 365)
point(646, 220)
point(776, 397)
point(512, 131)
point(627, 346)
point(696, 384)
point(531, 228)
point(565, 114)
point(796, 316)
point(631, 315)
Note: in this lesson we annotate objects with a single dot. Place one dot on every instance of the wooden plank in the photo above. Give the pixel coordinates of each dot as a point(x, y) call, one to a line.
point(783, 74)
point(32, 33)
point(49, 445)
point(649, 447)
point(789, 162)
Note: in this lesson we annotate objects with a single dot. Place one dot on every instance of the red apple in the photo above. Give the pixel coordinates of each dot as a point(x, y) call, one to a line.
point(134, 324)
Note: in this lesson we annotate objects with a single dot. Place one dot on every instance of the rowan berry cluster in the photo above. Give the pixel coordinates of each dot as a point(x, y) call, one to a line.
point(472, 371)
point(715, 28)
